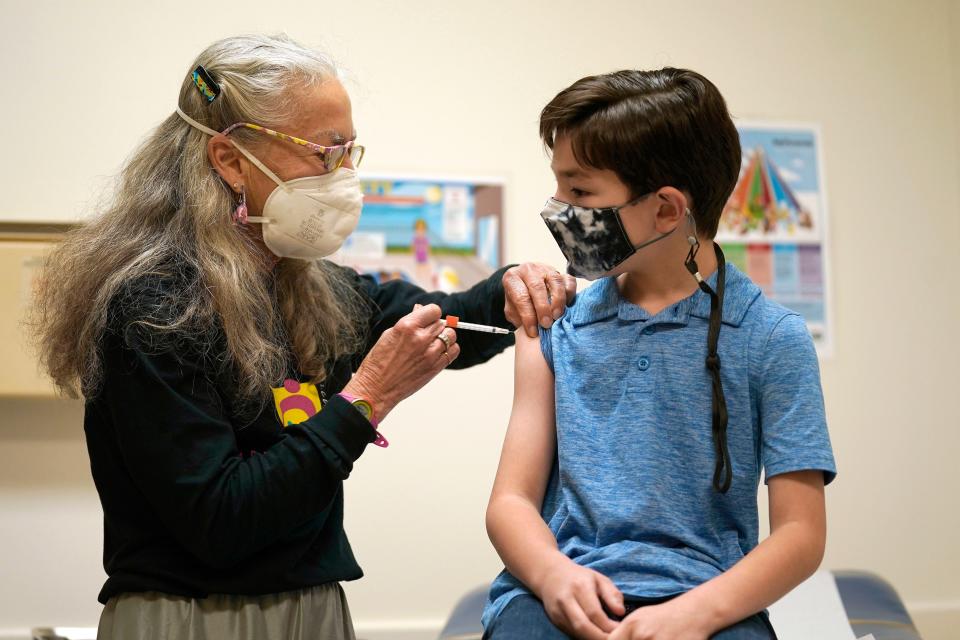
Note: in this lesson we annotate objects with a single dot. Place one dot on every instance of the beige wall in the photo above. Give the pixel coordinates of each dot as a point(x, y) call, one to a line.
point(455, 88)
point(955, 47)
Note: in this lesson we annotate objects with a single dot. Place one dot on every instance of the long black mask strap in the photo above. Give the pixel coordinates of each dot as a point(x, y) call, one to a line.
point(722, 472)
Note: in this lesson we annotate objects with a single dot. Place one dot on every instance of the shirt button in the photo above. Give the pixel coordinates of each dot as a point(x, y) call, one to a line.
point(649, 331)
point(644, 363)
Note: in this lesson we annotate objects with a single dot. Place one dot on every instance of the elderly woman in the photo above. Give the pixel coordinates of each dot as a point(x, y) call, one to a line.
point(231, 376)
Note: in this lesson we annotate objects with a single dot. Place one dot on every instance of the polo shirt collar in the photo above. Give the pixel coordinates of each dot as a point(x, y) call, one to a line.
point(602, 301)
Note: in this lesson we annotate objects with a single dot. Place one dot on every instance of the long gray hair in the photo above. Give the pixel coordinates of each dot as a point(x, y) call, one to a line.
point(169, 216)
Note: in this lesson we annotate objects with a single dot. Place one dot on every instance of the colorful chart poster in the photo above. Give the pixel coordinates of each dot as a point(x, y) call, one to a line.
point(441, 233)
point(774, 226)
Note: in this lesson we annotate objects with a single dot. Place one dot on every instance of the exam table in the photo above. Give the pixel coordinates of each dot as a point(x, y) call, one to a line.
point(871, 603)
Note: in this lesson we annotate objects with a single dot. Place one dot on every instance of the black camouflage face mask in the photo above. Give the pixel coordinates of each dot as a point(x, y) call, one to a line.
point(593, 241)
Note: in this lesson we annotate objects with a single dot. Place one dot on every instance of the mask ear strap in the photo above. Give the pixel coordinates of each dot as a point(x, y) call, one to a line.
point(723, 471)
point(196, 125)
point(261, 166)
point(691, 263)
point(210, 132)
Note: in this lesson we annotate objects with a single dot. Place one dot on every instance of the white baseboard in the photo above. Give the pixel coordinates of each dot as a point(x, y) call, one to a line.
point(936, 620)
point(404, 629)
point(427, 629)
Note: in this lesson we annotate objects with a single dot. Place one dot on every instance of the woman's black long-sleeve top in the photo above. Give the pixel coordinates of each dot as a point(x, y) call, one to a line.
point(197, 501)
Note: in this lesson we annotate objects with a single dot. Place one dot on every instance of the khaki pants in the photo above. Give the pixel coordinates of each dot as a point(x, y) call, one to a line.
point(320, 612)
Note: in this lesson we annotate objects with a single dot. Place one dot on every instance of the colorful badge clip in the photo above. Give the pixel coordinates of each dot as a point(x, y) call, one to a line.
point(205, 84)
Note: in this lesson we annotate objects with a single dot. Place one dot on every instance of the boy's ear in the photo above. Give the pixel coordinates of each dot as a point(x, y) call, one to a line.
point(673, 207)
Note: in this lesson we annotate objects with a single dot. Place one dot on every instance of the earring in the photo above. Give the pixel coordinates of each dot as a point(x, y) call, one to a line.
point(240, 213)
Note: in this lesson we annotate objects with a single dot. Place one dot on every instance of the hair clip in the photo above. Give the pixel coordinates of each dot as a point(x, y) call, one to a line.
point(205, 84)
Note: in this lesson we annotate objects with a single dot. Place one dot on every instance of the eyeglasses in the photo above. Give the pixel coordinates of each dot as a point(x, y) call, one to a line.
point(332, 157)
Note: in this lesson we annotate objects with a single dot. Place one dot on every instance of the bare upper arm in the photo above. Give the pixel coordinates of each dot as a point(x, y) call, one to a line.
point(530, 443)
point(797, 497)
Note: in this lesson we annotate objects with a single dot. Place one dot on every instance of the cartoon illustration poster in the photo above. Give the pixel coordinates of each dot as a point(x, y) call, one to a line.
point(440, 233)
point(774, 226)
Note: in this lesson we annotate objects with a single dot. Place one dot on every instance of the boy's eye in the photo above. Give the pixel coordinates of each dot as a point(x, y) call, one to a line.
point(577, 193)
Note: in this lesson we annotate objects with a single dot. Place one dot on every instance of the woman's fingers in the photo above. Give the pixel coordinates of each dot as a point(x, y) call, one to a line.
point(557, 287)
point(406, 357)
point(447, 358)
point(424, 316)
point(444, 347)
point(535, 294)
point(444, 339)
point(518, 305)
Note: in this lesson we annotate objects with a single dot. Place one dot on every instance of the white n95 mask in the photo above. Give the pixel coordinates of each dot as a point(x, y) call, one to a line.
point(306, 218)
point(309, 218)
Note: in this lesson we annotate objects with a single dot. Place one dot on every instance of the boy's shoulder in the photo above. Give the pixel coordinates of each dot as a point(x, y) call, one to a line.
point(777, 339)
point(599, 301)
point(745, 308)
point(745, 304)
point(766, 316)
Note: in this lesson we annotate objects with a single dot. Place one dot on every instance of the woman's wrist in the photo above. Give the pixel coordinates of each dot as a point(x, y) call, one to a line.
point(364, 404)
point(359, 388)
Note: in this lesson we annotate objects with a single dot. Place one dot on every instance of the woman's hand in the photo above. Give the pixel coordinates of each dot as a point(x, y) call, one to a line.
point(404, 359)
point(668, 621)
point(573, 597)
point(536, 291)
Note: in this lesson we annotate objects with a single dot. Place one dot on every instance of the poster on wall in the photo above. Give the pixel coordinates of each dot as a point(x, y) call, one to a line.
point(442, 234)
point(774, 226)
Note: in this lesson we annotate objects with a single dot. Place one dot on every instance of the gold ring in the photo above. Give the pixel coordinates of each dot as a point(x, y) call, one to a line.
point(445, 340)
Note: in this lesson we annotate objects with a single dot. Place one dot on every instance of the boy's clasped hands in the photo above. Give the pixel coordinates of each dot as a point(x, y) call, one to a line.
point(579, 601)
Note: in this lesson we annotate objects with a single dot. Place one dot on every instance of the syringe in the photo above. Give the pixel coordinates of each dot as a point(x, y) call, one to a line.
point(454, 323)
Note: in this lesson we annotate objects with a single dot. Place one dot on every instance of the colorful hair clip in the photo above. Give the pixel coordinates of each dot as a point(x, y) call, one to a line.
point(205, 84)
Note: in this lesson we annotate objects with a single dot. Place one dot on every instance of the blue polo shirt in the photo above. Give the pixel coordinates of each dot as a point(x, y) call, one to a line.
point(631, 495)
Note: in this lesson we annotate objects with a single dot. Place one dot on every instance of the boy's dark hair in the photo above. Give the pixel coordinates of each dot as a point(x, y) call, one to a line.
point(668, 127)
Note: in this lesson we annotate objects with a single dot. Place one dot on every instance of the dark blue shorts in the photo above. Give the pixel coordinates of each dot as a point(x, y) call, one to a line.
point(524, 618)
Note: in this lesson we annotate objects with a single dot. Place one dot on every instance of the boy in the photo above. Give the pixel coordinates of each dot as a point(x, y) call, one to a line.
point(625, 504)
